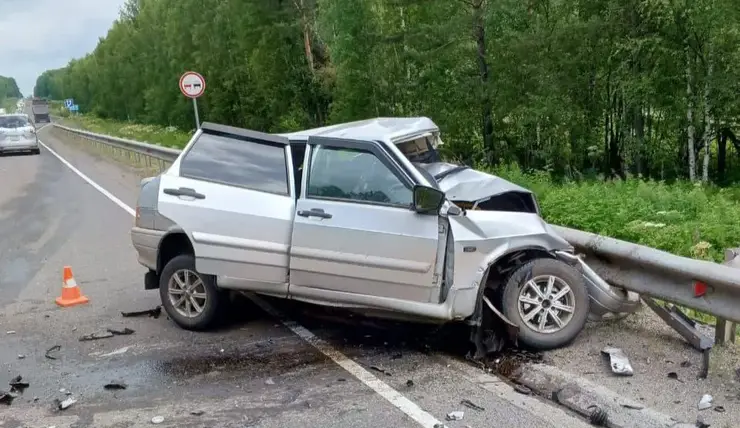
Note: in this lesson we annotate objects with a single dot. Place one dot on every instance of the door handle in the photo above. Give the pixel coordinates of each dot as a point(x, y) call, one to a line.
point(185, 191)
point(314, 212)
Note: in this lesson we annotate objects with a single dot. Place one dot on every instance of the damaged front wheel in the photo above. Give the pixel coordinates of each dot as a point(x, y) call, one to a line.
point(548, 300)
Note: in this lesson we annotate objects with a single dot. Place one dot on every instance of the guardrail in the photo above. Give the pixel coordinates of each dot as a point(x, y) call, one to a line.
point(705, 286)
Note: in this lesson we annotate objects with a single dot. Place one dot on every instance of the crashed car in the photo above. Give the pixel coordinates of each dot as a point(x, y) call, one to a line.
point(363, 216)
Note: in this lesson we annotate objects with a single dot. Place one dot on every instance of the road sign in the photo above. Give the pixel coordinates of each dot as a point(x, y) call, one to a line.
point(74, 107)
point(192, 84)
point(69, 102)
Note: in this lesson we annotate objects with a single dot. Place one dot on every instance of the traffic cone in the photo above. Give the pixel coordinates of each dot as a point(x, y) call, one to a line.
point(71, 294)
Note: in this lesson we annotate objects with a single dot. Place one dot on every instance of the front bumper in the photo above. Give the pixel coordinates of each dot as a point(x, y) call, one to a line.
point(146, 242)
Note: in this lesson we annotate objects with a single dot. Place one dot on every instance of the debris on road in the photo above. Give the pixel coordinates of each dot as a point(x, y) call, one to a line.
point(6, 398)
point(674, 375)
point(633, 406)
point(157, 420)
point(705, 402)
point(522, 389)
point(409, 383)
point(455, 416)
point(118, 351)
point(115, 386)
point(154, 313)
point(269, 381)
point(21, 356)
point(52, 349)
point(598, 416)
point(17, 384)
point(96, 336)
point(469, 404)
point(125, 332)
point(618, 361)
point(380, 370)
point(719, 409)
point(700, 422)
point(10, 332)
point(197, 412)
point(64, 405)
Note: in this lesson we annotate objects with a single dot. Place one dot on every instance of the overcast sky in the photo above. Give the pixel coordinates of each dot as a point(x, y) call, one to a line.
point(37, 35)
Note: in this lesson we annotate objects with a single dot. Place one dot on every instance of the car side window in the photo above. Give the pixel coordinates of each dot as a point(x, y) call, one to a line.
point(354, 175)
point(250, 164)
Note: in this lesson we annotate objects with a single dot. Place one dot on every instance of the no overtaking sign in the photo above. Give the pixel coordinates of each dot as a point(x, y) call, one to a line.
point(192, 85)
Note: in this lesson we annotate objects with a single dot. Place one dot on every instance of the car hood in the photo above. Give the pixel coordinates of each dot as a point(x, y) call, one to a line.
point(464, 184)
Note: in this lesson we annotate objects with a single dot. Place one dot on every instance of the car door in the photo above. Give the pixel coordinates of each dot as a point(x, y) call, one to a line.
point(354, 231)
point(232, 191)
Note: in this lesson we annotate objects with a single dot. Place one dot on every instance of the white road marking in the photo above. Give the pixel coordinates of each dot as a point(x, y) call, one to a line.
point(394, 397)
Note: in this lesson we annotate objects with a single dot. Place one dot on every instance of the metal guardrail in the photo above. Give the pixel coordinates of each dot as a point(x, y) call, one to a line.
point(634, 267)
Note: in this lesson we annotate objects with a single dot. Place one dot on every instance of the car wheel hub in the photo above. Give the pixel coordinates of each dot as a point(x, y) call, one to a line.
point(187, 293)
point(546, 304)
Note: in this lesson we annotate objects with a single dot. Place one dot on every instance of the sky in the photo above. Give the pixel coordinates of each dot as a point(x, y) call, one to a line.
point(38, 35)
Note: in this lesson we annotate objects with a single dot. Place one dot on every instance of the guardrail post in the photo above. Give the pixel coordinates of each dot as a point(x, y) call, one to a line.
point(726, 331)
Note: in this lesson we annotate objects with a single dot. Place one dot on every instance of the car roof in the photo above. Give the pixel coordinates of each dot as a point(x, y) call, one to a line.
point(387, 129)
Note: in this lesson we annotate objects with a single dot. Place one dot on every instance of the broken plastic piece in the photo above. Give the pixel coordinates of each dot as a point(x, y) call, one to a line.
point(469, 404)
point(17, 384)
point(63, 405)
point(705, 402)
point(157, 419)
point(125, 332)
point(50, 350)
point(455, 416)
point(154, 313)
point(6, 398)
point(197, 412)
point(115, 385)
point(598, 417)
point(96, 336)
point(618, 361)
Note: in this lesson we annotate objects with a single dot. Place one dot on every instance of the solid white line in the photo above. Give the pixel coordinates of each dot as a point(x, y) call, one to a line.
point(397, 399)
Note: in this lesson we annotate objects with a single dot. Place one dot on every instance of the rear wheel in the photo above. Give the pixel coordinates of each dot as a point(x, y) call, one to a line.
point(190, 298)
point(36, 151)
point(548, 300)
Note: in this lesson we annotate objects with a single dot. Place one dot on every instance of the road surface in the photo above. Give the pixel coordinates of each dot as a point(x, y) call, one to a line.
point(67, 207)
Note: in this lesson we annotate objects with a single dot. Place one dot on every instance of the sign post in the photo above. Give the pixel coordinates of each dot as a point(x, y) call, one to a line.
point(192, 85)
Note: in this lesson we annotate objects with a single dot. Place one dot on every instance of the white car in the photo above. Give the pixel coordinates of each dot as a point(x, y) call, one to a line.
point(18, 134)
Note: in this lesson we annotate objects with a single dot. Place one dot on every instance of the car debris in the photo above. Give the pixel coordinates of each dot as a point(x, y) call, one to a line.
point(17, 384)
point(700, 423)
point(115, 386)
point(118, 332)
point(618, 361)
point(96, 336)
point(705, 402)
point(157, 420)
point(469, 404)
point(598, 416)
point(21, 356)
point(197, 412)
point(380, 370)
point(10, 332)
point(154, 313)
point(409, 383)
point(6, 397)
point(52, 349)
point(522, 389)
point(719, 409)
point(64, 405)
point(455, 416)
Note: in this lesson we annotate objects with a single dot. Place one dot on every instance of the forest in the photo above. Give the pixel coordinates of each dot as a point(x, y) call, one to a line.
point(9, 93)
point(575, 87)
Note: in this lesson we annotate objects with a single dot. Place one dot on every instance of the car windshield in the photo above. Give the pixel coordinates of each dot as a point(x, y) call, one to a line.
point(421, 149)
point(13, 122)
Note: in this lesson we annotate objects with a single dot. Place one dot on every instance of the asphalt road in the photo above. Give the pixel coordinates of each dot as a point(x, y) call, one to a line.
point(255, 371)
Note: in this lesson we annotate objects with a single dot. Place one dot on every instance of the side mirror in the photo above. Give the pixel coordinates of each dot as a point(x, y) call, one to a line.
point(427, 200)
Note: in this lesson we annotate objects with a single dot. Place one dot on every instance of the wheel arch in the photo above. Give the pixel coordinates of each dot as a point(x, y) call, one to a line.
point(173, 243)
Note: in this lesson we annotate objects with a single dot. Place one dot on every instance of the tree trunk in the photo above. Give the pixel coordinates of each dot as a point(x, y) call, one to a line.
point(690, 115)
point(479, 34)
point(707, 137)
point(721, 157)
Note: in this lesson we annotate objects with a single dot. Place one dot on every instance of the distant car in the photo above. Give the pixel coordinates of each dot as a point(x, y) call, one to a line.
point(365, 216)
point(18, 134)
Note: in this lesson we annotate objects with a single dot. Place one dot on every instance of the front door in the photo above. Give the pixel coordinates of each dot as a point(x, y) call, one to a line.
point(354, 231)
point(232, 193)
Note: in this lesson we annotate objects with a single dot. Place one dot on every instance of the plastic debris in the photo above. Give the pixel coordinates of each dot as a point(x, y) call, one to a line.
point(117, 351)
point(125, 332)
point(705, 402)
point(380, 370)
point(96, 336)
point(21, 356)
point(618, 361)
point(674, 375)
point(157, 420)
point(455, 416)
point(10, 332)
point(66, 404)
point(633, 406)
point(469, 404)
point(700, 423)
point(154, 313)
point(598, 417)
point(719, 409)
point(6, 398)
point(522, 389)
point(50, 350)
point(409, 383)
point(17, 384)
point(197, 412)
point(115, 386)
point(269, 381)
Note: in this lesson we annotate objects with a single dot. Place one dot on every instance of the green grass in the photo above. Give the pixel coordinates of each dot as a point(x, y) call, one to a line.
point(163, 136)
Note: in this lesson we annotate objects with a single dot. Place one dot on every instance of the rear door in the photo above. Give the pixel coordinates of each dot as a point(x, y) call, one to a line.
point(231, 191)
point(355, 235)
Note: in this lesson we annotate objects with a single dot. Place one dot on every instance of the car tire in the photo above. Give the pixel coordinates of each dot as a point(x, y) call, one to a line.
point(205, 294)
point(541, 272)
point(36, 151)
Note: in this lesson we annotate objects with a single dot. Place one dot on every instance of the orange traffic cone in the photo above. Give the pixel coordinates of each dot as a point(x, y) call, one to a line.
point(71, 294)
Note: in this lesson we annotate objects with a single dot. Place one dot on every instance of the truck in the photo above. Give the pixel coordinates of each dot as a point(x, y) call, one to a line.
point(40, 110)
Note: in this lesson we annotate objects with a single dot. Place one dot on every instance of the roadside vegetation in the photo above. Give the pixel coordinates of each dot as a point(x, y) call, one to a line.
point(622, 116)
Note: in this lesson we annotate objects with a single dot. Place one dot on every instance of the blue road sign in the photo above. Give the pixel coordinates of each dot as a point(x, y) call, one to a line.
point(74, 107)
point(69, 102)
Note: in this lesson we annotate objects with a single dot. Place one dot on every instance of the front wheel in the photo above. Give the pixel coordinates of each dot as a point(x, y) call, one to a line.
point(548, 300)
point(190, 298)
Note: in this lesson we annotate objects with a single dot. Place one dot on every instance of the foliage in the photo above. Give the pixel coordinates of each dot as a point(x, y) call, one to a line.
point(168, 136)
point(9, 93)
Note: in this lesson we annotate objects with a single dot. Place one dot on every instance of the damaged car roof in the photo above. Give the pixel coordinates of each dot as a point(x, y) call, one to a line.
point(388, 129)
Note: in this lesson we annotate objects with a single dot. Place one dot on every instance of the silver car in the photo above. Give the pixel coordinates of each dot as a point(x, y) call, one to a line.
point(18, 134)
point(363, 216)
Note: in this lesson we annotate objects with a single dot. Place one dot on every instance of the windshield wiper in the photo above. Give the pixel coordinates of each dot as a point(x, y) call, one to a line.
point(450, 171)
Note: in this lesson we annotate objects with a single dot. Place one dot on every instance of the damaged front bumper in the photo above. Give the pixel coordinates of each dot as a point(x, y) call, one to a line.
point(605, 298)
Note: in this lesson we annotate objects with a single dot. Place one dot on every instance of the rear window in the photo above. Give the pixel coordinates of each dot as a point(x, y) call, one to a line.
point(13, 122)
point(238, 162)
